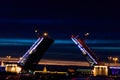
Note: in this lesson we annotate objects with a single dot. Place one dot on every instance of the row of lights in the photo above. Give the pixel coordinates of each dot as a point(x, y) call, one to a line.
point(115, 59)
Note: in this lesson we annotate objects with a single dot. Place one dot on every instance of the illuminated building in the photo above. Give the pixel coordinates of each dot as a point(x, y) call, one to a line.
point(100, 70)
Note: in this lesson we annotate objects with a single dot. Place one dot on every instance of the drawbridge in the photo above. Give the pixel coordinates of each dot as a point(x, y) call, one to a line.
point(90, 56)
point(35, 53)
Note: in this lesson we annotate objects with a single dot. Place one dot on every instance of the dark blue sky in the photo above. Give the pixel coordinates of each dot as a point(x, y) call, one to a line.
point(60, 19)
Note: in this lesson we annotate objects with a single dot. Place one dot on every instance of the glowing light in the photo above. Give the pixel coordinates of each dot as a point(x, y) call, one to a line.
point(28, 42)
point(63, 42)
point(84, 50)
point(115, 59)
point(16, 42)
point(74, 40)
point(100, 66)
point(8, 57)
point(13, 69)
point(18, 69)
point(24, 58)
point(45, 34)
point(100, 70)
point(112, 67)
point(36, 30)
point(86, 34)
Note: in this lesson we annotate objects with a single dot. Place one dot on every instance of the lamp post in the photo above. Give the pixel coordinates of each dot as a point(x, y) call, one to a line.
point(115, 59)
point(109, 60)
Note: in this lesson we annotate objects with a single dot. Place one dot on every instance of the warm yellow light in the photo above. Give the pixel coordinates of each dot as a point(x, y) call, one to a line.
point(45, 69)
point(18, 70)
point(13, 69)
point(101, 66)
point(100, 70)
point(115, 59)
point(45, 34)
point(8, 57)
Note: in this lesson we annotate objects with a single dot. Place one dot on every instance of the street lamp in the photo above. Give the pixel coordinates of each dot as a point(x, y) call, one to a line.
point(115, 59)
point(109, 60)
point(45, 33)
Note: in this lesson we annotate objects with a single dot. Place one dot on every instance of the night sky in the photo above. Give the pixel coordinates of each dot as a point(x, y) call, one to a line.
point(61, 19)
